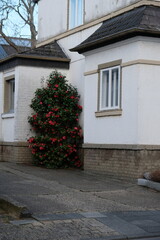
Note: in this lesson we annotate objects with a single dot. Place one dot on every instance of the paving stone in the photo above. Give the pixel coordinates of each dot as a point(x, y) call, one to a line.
point(145, 223)
point(23, 222)
point(138, 216)
point(152, 229)
point(50, 217)
point(93, 215)
point(135, 213)
point(114, 237)
point(120, 225)
point(74, 205)
point(155, 238)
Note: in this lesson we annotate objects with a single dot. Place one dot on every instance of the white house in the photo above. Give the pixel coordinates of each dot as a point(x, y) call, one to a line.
point(20, 75)
point(111, 54)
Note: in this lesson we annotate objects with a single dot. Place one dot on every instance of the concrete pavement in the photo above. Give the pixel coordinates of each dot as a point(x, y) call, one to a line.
point(74, 204)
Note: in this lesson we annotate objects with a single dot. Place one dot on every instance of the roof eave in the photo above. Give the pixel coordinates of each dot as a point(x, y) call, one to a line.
point(115, 38)
point(36, 57)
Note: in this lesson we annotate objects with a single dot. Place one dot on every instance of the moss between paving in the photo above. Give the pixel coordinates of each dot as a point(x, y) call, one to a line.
point(5, 217)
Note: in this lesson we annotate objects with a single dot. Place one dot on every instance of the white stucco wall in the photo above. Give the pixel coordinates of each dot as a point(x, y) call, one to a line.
point(52, 18)
point(28, 80)
point(6, 120)
point(53, 14)
point(139, 122)
point(113, 129)
point(77, 63)
point(149, 89)
point(8, 129)
point(15, 127)
point(100, 8)
point(149, 105)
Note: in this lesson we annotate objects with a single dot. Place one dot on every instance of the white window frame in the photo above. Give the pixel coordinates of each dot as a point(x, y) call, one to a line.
point(11, 92)
point(76, 13)
point(9, 95)
point(111, 90)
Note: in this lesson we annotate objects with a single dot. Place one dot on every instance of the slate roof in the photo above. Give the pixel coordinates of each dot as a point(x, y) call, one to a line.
point(7, 50)
point(49, 50)
point(141, 21)
point(47, 56)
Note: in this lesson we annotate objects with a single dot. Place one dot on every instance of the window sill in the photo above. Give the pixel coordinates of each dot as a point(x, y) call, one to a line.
point(108, 113)
point(7, 115)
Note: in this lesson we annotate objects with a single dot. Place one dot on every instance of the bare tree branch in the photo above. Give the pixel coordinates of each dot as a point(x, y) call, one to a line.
point(25, 9)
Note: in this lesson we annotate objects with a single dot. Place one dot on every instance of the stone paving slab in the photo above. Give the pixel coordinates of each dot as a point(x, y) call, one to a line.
point(119, 237)
point(23, 222)
point(55, 230)
point(76, 205)
point(101, 223)
point(155, 238)
point(146, 223)
point(93, 215)
point(51, 217)
point(120, 225)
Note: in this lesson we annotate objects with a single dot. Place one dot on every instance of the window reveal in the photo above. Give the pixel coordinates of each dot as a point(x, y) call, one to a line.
point(110, 88)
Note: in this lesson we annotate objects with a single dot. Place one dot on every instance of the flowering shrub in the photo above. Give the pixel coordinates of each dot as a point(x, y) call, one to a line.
point(55, 123)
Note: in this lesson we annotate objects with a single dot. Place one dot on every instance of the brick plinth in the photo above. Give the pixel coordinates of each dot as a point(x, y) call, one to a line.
point(15, 152)
point(124, 163)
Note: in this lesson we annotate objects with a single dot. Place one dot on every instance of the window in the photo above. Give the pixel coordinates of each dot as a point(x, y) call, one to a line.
point(109, 88)
point(9, 96)
point(75, 13)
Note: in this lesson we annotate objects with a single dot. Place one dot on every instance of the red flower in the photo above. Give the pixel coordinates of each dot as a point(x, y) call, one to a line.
point(31, 140)
point(41, 103)
point(41, 148)
point(34, 116)
point(79, 106)
point(52, 123)
point(56, 85)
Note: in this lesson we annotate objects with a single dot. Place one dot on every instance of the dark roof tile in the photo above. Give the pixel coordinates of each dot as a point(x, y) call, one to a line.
point(49, 50)
point(144, 20)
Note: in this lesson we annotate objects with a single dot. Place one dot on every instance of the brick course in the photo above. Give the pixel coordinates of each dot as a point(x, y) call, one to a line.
point(15, 152)
point(124, 163)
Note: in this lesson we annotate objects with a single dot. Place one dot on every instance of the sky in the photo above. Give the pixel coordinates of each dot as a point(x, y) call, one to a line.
point(15, 25)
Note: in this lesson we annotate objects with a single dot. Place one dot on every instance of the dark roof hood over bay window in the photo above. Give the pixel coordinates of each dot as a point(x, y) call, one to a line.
point(141, 21)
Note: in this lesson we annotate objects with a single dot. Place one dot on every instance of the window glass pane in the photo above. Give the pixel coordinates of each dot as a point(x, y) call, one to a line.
point(76, 13)
point(12, 95)
point(105, 89)
point(80, 12)
point(112, 90)
point(72, 13)
point(115, 88)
